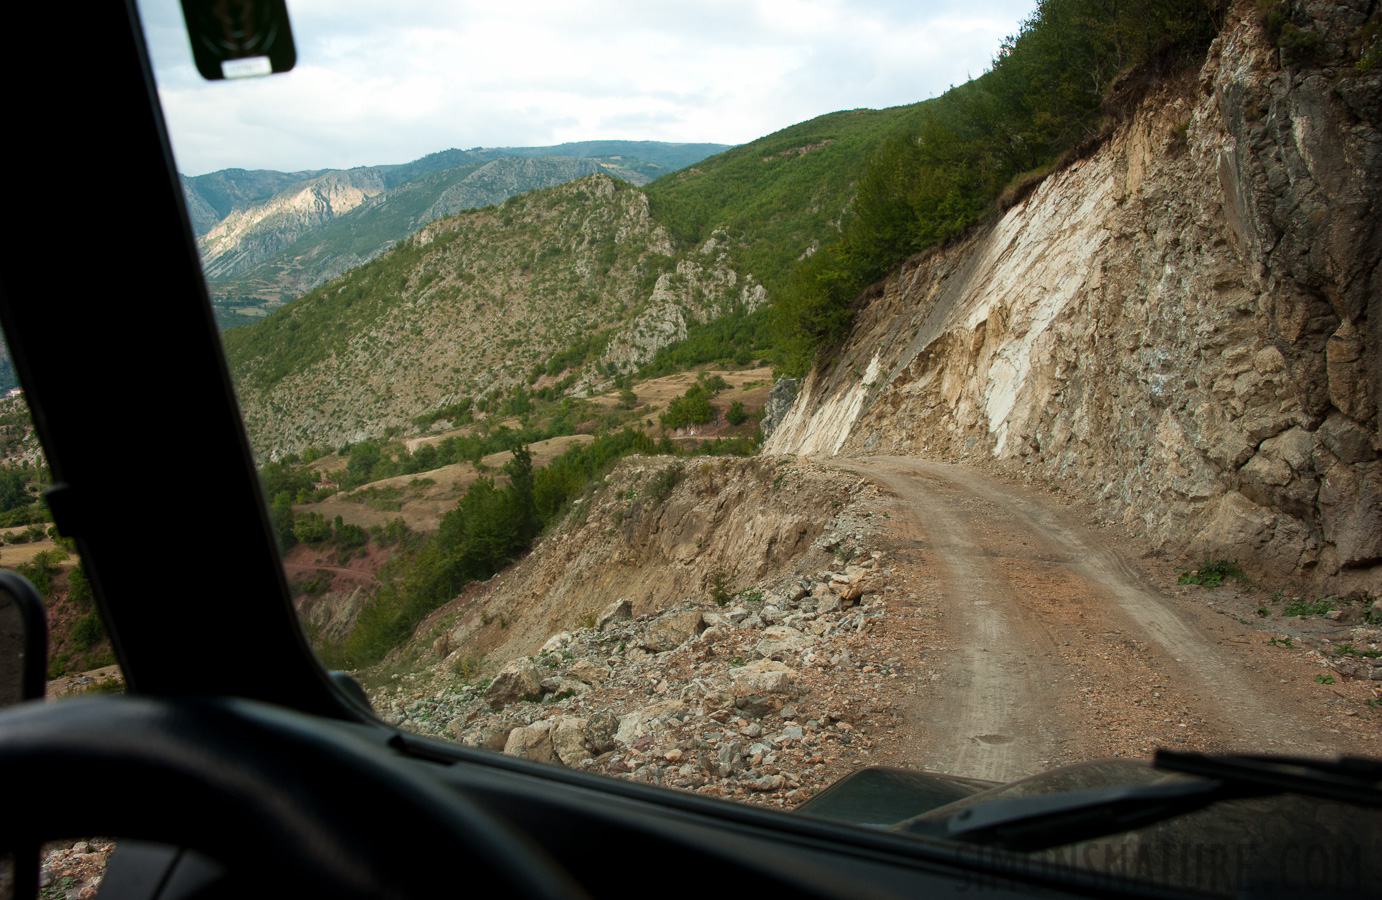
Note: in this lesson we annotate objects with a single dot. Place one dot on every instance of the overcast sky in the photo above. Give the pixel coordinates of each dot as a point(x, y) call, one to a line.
point(389, 82)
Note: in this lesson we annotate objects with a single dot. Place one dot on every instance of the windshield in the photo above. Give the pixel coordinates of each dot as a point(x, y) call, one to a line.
point(718, 398)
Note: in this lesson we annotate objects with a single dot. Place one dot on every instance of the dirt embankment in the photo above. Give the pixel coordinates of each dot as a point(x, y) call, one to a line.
point(1183, 326)
point(944, 619)
point(659, 531)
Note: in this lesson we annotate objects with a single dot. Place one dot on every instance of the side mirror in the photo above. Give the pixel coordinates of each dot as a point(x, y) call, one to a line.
point(23, 641)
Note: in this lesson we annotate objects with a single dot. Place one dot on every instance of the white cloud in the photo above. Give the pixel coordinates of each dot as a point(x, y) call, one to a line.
point(378, 83)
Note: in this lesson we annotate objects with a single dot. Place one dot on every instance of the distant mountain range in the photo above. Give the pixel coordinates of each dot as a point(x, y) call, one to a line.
point(560, 289)
point(268, 237)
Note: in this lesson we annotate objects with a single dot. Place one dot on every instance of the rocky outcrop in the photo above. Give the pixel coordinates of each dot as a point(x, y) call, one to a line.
point(634, 547)
point(779, 403)
point(1184, 325)
point(496, 181)
point(249, 236)
point(703, 286)
point(744, 708)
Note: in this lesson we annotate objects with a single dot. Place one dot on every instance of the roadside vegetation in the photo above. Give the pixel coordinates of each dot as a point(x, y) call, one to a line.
point(500, 514)
point(986, 144)
point(815, 213)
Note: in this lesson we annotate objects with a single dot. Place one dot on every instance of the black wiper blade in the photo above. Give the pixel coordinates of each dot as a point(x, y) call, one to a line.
point(1351, 779)
point(1052, 820)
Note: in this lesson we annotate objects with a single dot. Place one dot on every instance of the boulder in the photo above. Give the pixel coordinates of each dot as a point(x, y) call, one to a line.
point(569, 740)
point(600, 730)
point(639, 722)
point(521, 679)
point(556, 643)
point(557, 684)
point(620, 610)
point(589, 672)
point(531, 742)
point(765, 676)
point(673, 629)
point(710, 636)
point(780, 641)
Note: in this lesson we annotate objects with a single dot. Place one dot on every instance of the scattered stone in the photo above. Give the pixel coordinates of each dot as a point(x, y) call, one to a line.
point(532, 742)
point(520, 679)
point(780, 642)
point(766, 783)
point(766, 676)
point(620, 610)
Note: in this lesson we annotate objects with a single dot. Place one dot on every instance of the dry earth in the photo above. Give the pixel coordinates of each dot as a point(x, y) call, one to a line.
point(976, 626)
point(14, 554)
point(1035, 640)
point(996, 630)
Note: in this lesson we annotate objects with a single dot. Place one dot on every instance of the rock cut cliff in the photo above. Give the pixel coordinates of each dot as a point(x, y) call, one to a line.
point(1184, 324)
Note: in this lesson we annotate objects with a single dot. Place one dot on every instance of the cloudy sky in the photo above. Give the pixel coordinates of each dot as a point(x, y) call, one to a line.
point(389, 82)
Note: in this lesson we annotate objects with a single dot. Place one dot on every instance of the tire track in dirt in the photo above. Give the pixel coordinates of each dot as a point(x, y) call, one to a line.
point(982, 716)
point(1248, 717)
point(1052, 648)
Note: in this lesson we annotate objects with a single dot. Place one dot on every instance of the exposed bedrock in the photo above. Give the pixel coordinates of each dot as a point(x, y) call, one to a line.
point(1184, 325)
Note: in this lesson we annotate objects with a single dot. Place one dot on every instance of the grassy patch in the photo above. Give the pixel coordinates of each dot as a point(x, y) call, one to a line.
point(1304, 608)
point(1213, 573)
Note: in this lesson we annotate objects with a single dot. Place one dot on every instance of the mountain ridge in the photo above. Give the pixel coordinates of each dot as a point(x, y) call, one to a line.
point(268, 237)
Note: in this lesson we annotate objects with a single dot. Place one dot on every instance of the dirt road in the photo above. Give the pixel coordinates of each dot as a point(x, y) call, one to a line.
point(1037, 643)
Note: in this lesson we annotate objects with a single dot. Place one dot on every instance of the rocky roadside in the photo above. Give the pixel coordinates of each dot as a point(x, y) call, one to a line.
point(797, 681)
point(771, 696)
point(72, 870)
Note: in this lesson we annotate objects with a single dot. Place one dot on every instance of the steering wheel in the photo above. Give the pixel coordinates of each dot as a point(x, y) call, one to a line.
point(270, 794)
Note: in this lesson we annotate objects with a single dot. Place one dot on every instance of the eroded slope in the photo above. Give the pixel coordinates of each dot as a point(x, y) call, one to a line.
point(1183, 325)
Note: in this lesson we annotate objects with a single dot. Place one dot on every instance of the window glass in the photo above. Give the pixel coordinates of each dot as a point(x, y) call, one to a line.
point(513, 305)
point(80, 658)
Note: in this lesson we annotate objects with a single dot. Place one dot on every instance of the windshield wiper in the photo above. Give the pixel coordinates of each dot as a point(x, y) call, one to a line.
point(1351, 779)
point(1052, 820)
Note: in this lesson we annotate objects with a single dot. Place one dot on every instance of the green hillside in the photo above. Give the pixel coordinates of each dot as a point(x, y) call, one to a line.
point(780, 195)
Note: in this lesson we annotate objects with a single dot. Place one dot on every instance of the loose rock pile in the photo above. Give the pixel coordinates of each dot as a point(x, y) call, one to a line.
point(74, 871)
point(766, 697)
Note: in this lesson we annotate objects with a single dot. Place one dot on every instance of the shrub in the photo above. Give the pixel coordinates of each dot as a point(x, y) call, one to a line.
point(40, 569)
point(719, 587)
point(664, 482)
point(736, 414)
point(1302, 46)
point(348, 536)
point(468, 665)
point(88, 631)
point(715, 384)
point(311, 528)
point(1213, 573)
point(1303, 608)
point(692, 408)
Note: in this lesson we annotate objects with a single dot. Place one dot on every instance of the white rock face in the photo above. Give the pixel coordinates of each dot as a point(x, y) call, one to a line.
point(249, 236)
point(1172, 325)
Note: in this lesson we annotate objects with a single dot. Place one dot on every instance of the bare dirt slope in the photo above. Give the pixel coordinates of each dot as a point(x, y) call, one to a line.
point(1040, 642)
